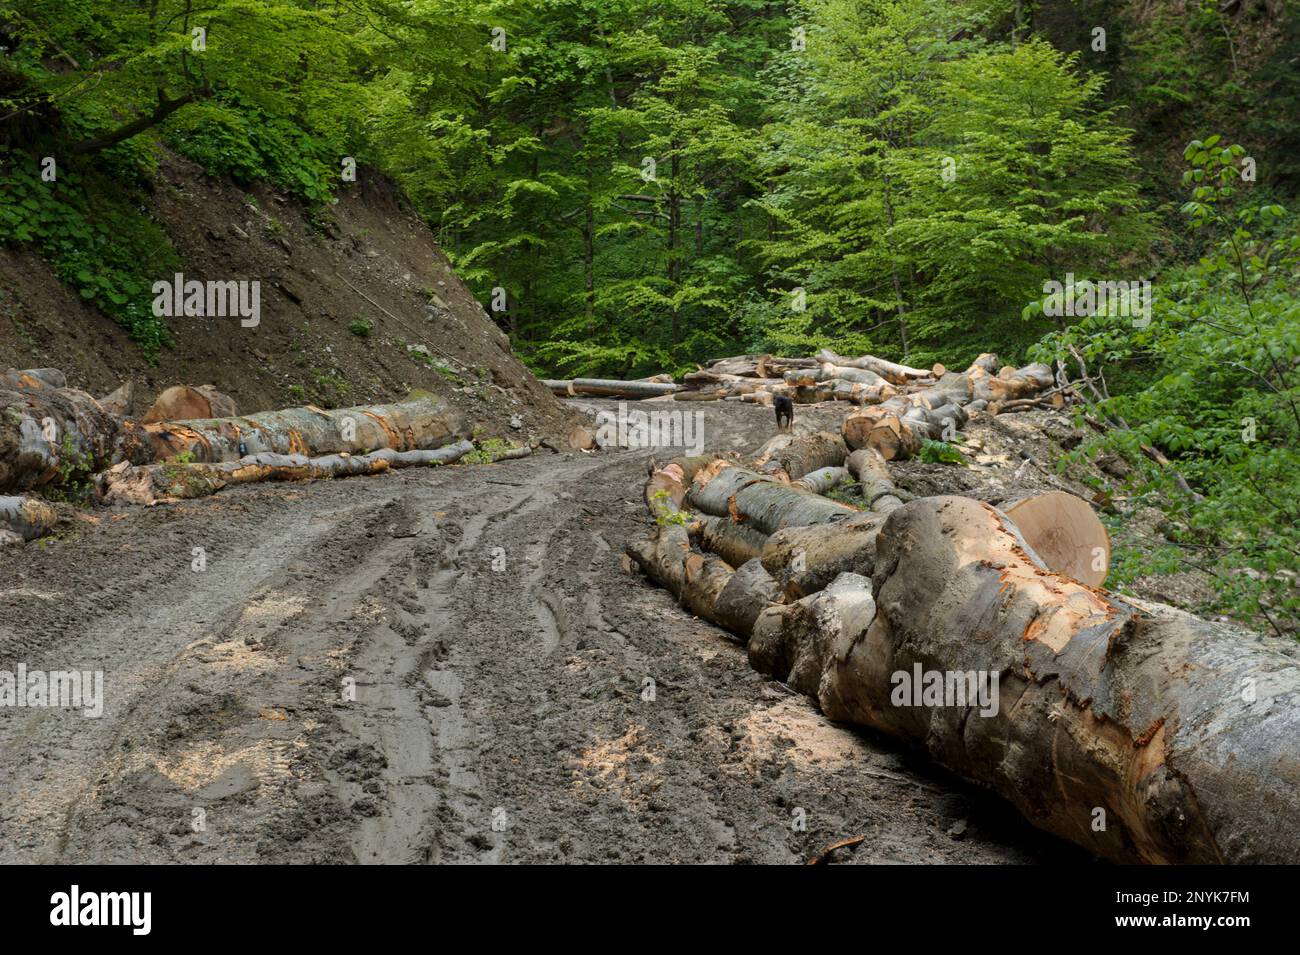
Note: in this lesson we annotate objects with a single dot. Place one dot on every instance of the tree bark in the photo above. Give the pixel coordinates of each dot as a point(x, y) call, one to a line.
point(156, 483)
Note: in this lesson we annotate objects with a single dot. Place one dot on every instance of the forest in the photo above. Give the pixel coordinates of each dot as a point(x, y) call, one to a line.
point(652, 432)
point(635, 187)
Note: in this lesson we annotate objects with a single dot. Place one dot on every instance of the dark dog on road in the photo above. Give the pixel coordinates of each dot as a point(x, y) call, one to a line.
point(784, 409)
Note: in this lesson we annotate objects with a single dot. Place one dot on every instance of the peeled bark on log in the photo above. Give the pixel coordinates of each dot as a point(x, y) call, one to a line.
point(420, 423)
point(156, 483)
point(610, 388)
point(1183, 732)
point(24, 519)
point(892, 372)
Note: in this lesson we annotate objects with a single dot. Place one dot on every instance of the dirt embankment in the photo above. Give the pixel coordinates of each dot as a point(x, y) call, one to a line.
point(367, 258)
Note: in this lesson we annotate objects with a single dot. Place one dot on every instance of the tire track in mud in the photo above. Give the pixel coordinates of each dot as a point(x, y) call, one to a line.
point(518, 697)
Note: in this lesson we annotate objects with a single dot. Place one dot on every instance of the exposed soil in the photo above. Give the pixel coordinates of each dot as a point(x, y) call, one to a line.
point(316, 274)
point(502, 714)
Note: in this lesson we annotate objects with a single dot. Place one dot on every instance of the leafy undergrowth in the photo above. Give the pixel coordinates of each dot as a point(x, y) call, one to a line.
point(91, 231)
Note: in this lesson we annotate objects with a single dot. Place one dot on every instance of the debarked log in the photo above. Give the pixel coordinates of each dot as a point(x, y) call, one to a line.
point(611, 388)
point(1137, 731)
point(892, 372)
point(155, 483)
point(417, 424)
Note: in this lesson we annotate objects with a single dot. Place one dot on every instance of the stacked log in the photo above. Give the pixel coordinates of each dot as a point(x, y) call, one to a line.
point(898, 426)
point(1137, 731)
point(421, 423)
point(52, 434)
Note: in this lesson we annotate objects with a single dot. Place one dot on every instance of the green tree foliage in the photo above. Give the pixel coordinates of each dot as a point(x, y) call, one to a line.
point(1214, 381)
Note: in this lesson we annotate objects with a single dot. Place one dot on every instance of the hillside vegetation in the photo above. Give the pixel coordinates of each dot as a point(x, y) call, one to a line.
point(631, 187)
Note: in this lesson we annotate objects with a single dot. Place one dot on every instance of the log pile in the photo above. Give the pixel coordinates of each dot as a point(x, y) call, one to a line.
point(899, 406)
point(51, 434)
point(1133, 729)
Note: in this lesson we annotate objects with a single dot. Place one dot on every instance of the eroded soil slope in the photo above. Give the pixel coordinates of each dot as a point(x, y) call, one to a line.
point(366, 258)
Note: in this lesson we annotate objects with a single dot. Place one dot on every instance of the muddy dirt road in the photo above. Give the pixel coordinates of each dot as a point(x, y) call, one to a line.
point(500, 659)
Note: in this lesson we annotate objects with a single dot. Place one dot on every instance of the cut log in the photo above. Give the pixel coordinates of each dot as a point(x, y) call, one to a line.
point(32, 379)
point(610, 388)
point(53, 435)
point(737, 544)
point(796, 639)
point(804, 560)
point(121, 402)
point(157, 483)
point(1064, 531)
point(823, 479)
point(183, 403)
point(892, 372)
point(24, 519)
point(884, 428)
point(421, 423)
point(802, 455)
point(899, 425)
point(724, 490)
point(743, 598)
point(878, 490)
point(1134, 730)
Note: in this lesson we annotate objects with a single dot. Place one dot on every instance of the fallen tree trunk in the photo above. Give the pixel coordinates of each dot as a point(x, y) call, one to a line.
point(724, 490)
point(1137, 731)
point(156, 483)
point(611, 388)
point(420, 423)
point(892, 372)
